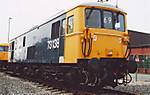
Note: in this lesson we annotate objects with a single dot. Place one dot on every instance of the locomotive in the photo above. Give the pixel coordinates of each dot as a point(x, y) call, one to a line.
point(3, 52)
point(85, 45)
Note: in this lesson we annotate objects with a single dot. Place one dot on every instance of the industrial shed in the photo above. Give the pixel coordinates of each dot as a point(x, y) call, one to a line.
point(140, 50)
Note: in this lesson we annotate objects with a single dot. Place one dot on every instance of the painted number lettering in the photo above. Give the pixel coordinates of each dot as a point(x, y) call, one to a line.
point(53, 44)
point(107, 20)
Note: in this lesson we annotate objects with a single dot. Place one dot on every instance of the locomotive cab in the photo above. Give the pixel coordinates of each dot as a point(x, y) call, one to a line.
point(99, 40)
point(97, 32)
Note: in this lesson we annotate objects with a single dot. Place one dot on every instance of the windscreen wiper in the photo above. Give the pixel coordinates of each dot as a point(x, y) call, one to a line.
point(88, 16)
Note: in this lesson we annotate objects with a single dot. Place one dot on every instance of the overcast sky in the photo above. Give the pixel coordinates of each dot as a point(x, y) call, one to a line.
point(28, 13)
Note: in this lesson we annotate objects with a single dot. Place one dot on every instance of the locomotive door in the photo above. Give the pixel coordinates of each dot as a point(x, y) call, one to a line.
point(56, 44)
point(61, 40)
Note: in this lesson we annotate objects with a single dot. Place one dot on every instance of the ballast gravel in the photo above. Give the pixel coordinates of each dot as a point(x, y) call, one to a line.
point(15, 86)
point(139, 85)
point(138, 88)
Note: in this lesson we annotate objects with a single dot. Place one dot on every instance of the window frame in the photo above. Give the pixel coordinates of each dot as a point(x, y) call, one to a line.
point(100, 26)
point(112, 13)
point(5, 48)
point(124, 22)
point(102, 18)
point(62, 24)
point(72, 16)
point(1, 48)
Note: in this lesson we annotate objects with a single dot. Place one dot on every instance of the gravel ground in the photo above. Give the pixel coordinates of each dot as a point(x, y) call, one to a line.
point(139, 88)
point(14, 86)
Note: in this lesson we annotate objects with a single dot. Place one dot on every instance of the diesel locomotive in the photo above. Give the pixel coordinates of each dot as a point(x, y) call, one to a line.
point(85, 45)
point(3, 52)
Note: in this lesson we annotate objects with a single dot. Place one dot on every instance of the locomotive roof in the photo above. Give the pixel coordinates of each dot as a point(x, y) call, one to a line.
point(66, 10)
point(99, 4)
point(82, 4)
point(92, 4)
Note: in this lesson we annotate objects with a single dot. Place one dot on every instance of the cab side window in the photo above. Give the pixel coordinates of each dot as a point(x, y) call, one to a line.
point(63, 27)
point(70, 24)
point(6, 48)
point(1, 48)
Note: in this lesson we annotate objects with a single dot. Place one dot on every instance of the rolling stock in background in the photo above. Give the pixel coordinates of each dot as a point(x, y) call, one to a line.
point(4, 52)
point(85, 45)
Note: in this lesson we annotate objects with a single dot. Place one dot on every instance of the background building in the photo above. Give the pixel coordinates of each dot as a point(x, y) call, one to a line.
point(140, 50)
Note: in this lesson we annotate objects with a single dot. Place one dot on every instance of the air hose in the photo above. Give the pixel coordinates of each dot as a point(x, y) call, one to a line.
point(128, 51)
point(87, 45)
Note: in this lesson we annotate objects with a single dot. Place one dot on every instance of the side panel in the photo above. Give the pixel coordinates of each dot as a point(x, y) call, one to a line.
point(36, 47)
point(72, 40)
point(56, 43)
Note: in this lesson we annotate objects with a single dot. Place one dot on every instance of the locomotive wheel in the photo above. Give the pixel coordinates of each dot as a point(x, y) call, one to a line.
point(72, 78)
point(84, 77)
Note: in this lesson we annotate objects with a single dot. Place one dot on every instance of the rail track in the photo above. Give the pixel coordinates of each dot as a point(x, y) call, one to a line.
point(59, 87)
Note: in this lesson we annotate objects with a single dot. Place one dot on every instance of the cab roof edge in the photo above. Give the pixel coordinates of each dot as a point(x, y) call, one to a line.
point(99, 4)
